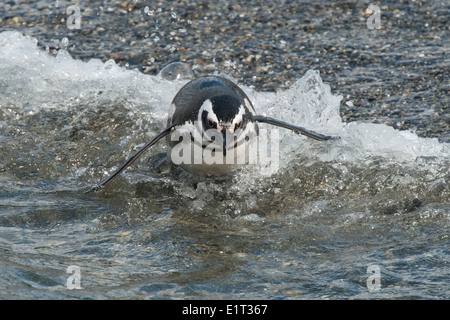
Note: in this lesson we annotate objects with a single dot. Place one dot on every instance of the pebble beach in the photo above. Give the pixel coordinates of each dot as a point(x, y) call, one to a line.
point(397, 74)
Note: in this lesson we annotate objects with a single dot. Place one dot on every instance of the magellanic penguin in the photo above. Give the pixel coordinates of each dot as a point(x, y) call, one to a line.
point(211, 128)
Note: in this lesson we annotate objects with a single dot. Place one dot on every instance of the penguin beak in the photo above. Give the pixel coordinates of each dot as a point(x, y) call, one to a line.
point(224, 139)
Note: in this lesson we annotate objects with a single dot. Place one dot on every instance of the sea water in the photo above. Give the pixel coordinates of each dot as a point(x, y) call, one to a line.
point(363, 216)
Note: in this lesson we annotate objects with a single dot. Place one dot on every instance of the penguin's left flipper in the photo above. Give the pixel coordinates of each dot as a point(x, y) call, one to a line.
point(296, 129)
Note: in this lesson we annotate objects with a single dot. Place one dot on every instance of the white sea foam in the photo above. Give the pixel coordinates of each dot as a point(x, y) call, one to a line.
point(34, 80)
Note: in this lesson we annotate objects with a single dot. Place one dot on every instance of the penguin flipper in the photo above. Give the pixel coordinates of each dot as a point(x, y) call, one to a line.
point(296, 129)
point(132, 159)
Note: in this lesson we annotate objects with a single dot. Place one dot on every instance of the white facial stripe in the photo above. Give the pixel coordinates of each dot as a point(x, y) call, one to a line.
point(239, 116)
point(249, 106)
point(207, 106)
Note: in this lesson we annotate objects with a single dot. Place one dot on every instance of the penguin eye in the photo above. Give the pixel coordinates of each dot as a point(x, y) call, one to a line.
point(212, 123)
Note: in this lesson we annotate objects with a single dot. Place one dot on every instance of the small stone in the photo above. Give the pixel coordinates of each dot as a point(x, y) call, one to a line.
point(16, 20)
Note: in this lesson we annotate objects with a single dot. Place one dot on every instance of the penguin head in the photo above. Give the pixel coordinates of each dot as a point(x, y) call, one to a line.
point(223, 112)
point(217, 109)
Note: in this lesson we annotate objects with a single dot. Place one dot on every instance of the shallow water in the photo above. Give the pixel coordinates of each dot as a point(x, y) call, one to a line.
point(311, 229)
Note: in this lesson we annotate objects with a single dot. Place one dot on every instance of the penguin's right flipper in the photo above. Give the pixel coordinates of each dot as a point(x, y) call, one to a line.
point(162, 134)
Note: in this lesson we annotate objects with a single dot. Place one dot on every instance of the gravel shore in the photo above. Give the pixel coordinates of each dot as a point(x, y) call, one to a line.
point(398, 74)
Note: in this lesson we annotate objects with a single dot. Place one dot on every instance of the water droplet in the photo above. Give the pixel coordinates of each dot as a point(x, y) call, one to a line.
point(64, 42)
point(177, 71)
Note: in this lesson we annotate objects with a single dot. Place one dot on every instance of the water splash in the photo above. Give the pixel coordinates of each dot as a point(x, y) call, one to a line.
point(76, 121)
point(376, 195)
point(176, 71)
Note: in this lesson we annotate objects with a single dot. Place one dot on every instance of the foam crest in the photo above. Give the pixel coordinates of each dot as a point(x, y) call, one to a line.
point(33, 77)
